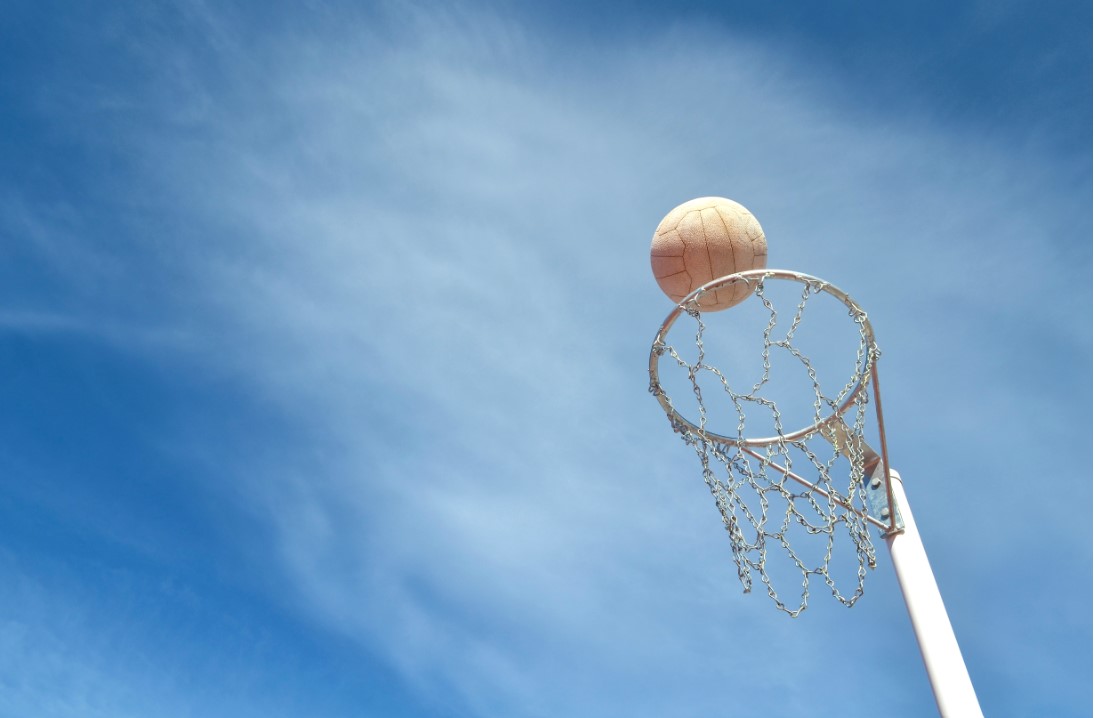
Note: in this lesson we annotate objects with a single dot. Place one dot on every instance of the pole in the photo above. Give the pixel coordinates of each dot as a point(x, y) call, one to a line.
point(947, 672)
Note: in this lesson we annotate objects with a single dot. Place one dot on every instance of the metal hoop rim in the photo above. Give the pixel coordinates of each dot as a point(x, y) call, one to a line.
point(755, 276)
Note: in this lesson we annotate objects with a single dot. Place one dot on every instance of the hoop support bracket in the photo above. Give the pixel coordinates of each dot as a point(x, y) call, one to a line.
point(879, 504)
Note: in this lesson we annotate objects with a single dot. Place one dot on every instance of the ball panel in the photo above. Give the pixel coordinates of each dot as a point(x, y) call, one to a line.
point(724, 244)
point(667, 244)
point(666, 266)
point(734, 214)
point(727, 297)
point(671, 220)
point(676, 286)
point(697, 260)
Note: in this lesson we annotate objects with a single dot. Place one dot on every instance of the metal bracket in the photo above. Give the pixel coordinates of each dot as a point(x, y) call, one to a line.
point(878, 504)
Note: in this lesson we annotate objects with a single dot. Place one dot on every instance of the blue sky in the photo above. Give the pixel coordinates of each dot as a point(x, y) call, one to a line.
point(325, 330)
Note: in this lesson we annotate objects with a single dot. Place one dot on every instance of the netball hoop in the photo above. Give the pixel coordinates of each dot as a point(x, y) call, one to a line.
point(778, 391)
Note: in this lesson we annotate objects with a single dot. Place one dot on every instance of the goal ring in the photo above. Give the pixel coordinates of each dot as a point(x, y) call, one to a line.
point(755, 278)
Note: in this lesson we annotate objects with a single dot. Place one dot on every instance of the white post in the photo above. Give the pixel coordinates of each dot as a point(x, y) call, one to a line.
point(946, 670)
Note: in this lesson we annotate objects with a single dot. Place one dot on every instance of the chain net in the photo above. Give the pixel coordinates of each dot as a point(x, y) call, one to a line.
point(771, 513)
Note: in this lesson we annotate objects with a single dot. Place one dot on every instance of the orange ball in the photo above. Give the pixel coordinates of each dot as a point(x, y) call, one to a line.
point(704, 239)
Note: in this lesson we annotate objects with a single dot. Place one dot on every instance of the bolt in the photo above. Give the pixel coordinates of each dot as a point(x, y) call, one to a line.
point(886, 512)
point(876, 482)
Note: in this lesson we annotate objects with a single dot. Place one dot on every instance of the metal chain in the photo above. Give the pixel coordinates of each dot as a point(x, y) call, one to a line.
point(746, 485)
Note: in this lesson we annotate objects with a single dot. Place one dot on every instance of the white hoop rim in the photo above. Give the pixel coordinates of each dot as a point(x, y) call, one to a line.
point(754, 278)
